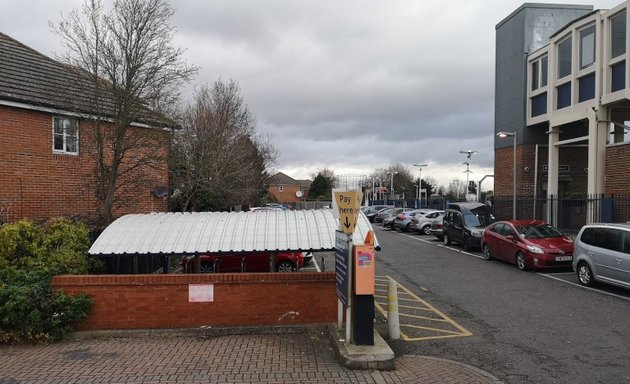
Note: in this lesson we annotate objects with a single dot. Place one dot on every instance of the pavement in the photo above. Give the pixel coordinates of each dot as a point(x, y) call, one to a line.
point(309, 354)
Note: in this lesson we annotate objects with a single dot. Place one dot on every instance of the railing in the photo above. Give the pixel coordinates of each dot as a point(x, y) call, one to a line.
point(568, 214)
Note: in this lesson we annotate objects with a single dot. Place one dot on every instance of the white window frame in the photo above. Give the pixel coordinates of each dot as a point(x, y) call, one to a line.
point(558, 66)
point(543, 81)
point(281, 188)
point(591, 52)
point(65, 135)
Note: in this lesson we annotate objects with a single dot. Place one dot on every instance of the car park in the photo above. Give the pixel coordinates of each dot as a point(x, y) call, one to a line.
point(602, 253)
point(422, 223)
point(402, 221)
point(464, 223)
point(382, 214)
point(530, 244)
point(388, 220)
point(245, 261)
point(371, 211)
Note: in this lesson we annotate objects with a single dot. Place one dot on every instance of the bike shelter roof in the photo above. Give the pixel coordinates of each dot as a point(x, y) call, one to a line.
point(215, 232)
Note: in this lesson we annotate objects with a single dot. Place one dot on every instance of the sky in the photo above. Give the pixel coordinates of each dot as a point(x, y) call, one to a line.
point(352, 85)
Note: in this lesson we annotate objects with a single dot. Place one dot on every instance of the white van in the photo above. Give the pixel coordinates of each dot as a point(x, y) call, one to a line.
point(602, 253)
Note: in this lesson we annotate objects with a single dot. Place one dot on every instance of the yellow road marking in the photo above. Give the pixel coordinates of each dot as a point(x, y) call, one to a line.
point(442, 318)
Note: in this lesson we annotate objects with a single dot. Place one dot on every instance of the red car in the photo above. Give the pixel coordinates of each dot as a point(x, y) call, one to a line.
point(251, 261)
point(528, 244)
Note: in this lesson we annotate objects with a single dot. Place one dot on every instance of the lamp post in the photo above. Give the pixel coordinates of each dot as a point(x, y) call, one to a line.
point(513, 135)
point(419, 194)
point(391, 191)
point(468, 154)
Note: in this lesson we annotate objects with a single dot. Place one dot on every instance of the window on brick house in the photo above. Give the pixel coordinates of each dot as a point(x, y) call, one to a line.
point(65, 135)
point(281, 188)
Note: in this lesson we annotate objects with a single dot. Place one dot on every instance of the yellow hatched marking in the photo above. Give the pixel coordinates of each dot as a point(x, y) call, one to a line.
point(421, 317)
point(462, 332)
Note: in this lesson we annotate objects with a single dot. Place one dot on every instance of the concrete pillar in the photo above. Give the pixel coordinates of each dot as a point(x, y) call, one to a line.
point(553, 174)
point(597, 135)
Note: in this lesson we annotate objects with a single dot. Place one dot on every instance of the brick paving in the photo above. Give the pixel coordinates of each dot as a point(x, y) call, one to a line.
point(256, 358)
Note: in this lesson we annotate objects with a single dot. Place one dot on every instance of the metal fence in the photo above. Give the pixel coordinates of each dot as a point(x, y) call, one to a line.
point(567, 214)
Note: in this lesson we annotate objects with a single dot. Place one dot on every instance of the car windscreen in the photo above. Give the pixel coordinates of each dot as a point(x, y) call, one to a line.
point(538, 231)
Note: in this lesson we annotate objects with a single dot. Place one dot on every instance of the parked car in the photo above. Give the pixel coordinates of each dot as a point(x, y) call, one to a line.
point(380, 215)
point(602, 253)
point(437, 227)
point(530, 244)
point(422, 223)
point(403, 219)
point(371, 211)
point(252, 261)
point(388, 220)
point(464, 223)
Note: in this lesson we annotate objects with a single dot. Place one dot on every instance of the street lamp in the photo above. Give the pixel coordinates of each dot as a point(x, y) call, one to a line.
point(468, 154)
point(391, 192)
point(513, 135)
point(419, 194)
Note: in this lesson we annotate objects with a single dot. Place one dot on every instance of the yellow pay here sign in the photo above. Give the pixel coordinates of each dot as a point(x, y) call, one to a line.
point(348, 204)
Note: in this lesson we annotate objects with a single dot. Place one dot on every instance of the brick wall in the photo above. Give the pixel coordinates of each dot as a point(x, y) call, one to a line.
point(288, 193)
point(38, 184)
point(617, 175)
point(244, 299)
point(574, 180)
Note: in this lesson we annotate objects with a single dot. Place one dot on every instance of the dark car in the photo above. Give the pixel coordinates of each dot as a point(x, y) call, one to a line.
point(464, 223)
point(382, 214)
point(530, 244)
point(249, 261)
point(371, 211)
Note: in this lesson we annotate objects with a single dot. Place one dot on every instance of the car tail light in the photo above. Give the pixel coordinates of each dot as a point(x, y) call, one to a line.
point(402, 216)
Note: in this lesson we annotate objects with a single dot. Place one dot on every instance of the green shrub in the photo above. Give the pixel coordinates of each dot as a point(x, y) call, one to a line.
point(30, 311)
point(29, 256)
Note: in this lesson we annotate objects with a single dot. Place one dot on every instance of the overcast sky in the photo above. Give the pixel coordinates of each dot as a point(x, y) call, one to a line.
point(351, 85)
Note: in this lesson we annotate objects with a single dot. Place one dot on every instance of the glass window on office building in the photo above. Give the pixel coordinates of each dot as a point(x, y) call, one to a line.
point(618, 35)
point(539, 73)
point(564, 58)
point(587, 47)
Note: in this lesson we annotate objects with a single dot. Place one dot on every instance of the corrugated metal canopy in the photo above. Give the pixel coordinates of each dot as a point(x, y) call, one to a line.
point(213, 232)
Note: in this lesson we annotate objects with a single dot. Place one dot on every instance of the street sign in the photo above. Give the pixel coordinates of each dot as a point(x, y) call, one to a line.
point(348, 204)
point(342, 265)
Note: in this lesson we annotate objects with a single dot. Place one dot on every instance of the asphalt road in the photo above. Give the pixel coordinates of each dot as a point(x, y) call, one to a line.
point(526, 327)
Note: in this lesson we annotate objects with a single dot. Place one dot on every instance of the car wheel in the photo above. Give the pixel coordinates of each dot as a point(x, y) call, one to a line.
point(447, 240)
point(284, 266)
point(585, 274)
point(426, 230)
point(520, 261)
point(205, 268)
point(487, 255)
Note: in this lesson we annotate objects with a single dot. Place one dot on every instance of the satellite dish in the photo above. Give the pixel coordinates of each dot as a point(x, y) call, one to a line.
point(299, 194)
point(161, 192)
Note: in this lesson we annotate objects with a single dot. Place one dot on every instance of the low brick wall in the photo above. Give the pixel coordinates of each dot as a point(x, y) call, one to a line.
point(239, 299)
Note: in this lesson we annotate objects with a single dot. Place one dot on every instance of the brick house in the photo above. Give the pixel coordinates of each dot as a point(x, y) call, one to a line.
point(288, 190)
point(47, 156)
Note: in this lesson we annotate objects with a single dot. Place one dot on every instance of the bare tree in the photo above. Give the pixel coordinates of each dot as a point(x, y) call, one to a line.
point(128, 71)
point(457, 189)
point(219, 159)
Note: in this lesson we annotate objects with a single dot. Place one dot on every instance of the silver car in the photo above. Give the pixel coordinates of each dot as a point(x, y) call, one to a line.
point(602, 253)
point(422, 223)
